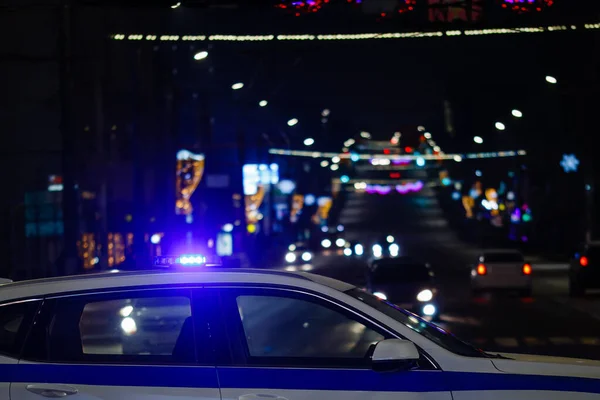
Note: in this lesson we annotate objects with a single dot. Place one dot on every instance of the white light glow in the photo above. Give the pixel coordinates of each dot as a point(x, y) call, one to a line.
point(517, 113)
point(437, 149)
point(290, 257)
point(306, 256)
point(425, 295)
point(335, 167)
point(457, 158)
point(340, 242)
point(263, 103)
point(394, 250)
point(324, 163)
point(359, 250)
point(201, 55)
point(325, 112)
point(126, 311)
point(335, 160)
point(365, 135)
point(309, 141)
point(176, 5)
point(129, 326)
point(551, 79)
point(228, 228)
point(155, 239)
point(347, 252)
point(429, 310)
point(478, 139)
point(390, 239)
point(427, 135)
point(237, 86)
point(380, 295)
point(377, 250)
point(500, 126)
point(326, 243)
point(292, 122)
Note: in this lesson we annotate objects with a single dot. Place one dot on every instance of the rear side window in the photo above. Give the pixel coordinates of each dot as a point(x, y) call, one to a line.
point(143, 327)
point(15, 321)
point(503, 257)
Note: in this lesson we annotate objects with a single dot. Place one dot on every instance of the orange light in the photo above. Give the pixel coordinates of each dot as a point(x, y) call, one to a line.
point(481, 269)
point(583, 261)
point(527, 269)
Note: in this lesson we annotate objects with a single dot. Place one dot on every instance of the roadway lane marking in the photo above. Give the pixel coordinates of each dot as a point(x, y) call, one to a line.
point(559, 341)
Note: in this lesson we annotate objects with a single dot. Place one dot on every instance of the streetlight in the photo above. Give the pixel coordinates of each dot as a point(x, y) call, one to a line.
point(309, 141)
point(478, 139)
point(324, 163)
point(457, 158)
point(292, 122)
point(551, 79)
point(335, 167)
point(427, 135)
point(237, 86)
point(517, 113)
point(176, 5)
point(365, 135)
point(325, 112)
point(500, 126)
point(263, 103)
point(201, 55)
point(336, 160)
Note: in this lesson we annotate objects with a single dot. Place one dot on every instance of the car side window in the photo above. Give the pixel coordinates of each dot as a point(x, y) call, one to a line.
point(15, 321)
point(129, 327)
point(296, 330)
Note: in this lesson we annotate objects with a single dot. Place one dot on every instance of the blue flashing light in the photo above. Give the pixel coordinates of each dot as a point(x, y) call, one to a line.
point(420, 162)
point(446, 181)
point(184, 260)
point(345, 179)
point(354, 157)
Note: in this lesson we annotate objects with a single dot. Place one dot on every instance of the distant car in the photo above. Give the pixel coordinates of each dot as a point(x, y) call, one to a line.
point(333, 241)
point(385, 247)
point(501, 269)
point(584, 269)
point(406, 282)
point(298, 253)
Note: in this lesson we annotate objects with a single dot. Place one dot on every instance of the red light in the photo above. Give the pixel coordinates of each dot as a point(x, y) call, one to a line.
point(386, 151)
point(408, 149)
point(527, 269)
point(583, 261)
point(383, 14)
point(395, 175)
point(481, 269)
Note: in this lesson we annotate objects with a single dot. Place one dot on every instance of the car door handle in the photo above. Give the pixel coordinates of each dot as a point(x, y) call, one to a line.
point(52, 391)
point(261, 397)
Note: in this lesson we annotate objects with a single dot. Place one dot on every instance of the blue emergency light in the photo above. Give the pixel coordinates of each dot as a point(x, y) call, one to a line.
point(185, 260)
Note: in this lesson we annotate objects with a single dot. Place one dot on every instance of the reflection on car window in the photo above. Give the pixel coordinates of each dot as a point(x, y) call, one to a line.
point(129, 327)
point(290, 327)
point(11, 322)
point(418, 324)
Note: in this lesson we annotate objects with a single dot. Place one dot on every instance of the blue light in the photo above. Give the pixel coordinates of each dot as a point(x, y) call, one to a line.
point(345, 179)
point(192, 260)
point(446, 181)
point(456, 196)
point(421, 162)
point(354, 157)
point(155, 239)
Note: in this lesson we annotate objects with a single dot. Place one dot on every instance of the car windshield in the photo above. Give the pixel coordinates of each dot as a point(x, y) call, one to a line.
point(399, 272)
point(503, 257)
point(432, 332)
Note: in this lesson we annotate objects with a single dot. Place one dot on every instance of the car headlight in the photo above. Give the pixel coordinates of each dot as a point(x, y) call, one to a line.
point(358, 250)
point(290, 257)
point(306, 256)
point(429, 310)
point(380, 295)
point(326, 243)
point(425, 295)
point(347, 252)
point(340, 242)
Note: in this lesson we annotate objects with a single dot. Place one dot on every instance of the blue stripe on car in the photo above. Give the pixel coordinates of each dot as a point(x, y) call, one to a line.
point(288, 378)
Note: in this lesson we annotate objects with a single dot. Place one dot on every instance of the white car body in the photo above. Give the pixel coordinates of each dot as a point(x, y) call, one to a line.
point(453, 377)
point(500, 274)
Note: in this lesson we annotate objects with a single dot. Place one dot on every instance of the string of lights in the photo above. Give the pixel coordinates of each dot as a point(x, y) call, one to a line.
point(363, 156)
point(352, 36)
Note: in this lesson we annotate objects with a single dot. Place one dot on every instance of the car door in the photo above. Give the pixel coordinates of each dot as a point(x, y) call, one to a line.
point(130, 344)
point(15, 321)
point(294, 345)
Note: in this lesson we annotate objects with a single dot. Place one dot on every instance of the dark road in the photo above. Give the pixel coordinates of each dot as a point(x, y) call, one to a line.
point(549, 323)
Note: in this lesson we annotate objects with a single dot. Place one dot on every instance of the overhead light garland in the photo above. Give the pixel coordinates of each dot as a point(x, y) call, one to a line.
point(523, 6)
point(351, 36)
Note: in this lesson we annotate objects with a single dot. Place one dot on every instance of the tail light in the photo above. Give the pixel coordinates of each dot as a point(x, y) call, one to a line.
point(526, 269)
point(583, 261)
point(481, 269)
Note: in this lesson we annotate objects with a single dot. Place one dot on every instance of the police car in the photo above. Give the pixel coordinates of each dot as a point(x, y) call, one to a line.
point(193, 331)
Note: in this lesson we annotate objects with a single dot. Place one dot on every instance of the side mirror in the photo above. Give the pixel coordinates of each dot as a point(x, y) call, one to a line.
point(395, 355)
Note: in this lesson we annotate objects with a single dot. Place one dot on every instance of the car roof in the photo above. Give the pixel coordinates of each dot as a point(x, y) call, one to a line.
point(122, 279)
